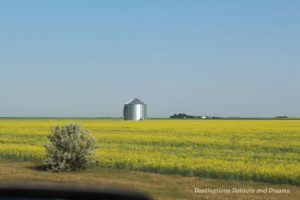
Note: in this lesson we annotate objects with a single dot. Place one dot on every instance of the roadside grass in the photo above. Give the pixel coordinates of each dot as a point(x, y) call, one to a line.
point(159, 187)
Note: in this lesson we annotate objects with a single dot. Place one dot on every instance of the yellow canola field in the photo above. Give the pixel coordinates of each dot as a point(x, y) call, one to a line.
point(258, 150)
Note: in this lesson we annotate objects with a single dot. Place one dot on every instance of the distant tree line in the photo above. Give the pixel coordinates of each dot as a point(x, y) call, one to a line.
point(185, 116)
point(282, 117)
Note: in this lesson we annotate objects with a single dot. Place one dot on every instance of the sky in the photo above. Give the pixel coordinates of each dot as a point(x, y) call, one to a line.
point(78, 58)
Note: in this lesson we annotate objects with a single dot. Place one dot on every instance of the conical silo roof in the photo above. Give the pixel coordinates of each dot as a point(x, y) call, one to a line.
point(135, 101)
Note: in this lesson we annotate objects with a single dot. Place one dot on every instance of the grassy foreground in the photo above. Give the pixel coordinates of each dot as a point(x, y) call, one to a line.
point(257, 150)
point(160, 187)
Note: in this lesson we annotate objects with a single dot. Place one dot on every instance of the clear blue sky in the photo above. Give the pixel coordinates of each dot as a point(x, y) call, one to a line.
point(86, 58)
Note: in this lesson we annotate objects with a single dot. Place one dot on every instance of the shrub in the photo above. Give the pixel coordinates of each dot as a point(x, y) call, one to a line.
point(71, 148)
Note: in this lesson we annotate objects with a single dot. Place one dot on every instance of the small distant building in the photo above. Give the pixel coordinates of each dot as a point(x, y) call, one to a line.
point(135, 109)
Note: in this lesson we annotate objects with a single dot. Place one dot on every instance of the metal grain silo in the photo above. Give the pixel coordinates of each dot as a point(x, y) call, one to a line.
point(135, 109)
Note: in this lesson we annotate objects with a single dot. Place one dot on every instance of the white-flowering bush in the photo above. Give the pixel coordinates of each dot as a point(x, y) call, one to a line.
point(71, 148)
